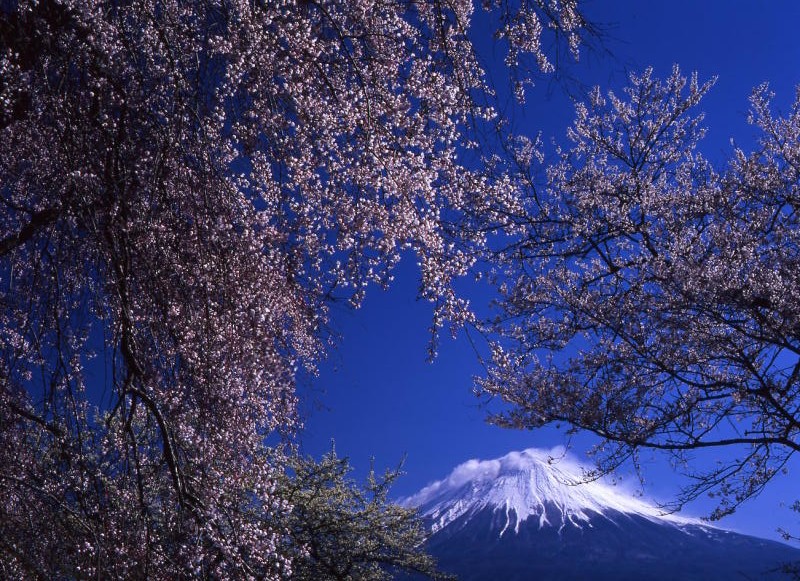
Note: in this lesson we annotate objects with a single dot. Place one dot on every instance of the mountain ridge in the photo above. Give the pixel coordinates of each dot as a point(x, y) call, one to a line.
point(530, 515)
point(526, 483)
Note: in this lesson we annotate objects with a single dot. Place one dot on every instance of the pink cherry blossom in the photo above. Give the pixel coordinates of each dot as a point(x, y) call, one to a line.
point(186, 186)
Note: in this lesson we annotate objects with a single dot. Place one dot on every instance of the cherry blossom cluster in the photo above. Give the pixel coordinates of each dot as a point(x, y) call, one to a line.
point(185, 188)
point(653, 299)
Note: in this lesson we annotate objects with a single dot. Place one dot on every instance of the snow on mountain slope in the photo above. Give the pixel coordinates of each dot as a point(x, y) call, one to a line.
point(537, 484)
point(530, 515)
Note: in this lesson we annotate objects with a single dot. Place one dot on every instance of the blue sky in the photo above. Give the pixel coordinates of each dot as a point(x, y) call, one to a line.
point(378, 397)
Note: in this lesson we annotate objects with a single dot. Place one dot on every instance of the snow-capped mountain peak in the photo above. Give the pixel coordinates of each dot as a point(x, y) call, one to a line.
point(532, 484)
point(531, 515)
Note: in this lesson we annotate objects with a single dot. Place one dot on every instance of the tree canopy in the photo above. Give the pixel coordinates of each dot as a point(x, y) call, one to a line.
point(652, 299)
point(345, 531)
point(185, 187)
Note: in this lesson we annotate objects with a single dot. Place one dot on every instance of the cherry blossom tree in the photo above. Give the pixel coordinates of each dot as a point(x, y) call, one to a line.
point(185, 188)
point(654, 300)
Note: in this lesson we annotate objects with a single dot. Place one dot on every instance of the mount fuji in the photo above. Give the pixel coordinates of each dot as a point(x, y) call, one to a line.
point(528, 515)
